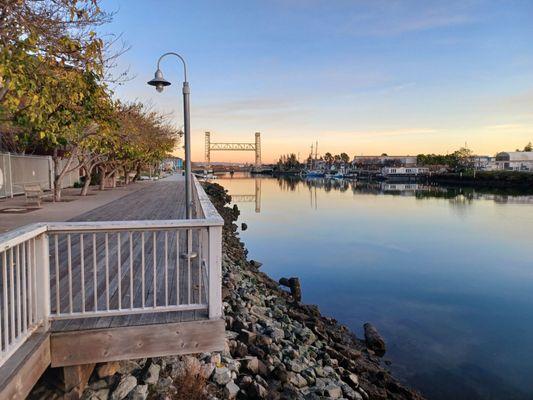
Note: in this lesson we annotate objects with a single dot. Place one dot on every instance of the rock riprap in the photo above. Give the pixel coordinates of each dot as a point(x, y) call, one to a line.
point(276, 347)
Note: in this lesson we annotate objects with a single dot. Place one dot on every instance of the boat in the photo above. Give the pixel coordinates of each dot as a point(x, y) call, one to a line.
point(315, 174)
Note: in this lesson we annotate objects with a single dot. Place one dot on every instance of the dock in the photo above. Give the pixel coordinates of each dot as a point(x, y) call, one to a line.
point(112, 284)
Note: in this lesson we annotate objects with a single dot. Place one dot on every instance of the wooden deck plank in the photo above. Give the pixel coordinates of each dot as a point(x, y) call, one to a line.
point(20, 373)
point(114, 344)
point(165, 200)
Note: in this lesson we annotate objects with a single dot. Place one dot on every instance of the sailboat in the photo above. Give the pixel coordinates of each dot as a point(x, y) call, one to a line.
point(313, 172)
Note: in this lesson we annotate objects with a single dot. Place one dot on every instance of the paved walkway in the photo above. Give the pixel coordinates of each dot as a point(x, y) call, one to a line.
point(65, 210)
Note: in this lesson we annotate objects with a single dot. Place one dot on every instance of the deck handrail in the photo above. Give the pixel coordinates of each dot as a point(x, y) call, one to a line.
point(64, 270)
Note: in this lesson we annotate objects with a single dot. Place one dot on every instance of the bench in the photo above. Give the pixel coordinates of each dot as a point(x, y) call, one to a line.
point(35, 192)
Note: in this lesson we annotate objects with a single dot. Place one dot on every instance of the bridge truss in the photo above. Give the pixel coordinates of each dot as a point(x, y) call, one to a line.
point(250, 198)
point(255, 147)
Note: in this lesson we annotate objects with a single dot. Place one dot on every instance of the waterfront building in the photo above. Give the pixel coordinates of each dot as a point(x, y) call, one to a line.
point(484, 163)
point(172, 164)
point(404, 171)
point(403, 161)
point(515, 161)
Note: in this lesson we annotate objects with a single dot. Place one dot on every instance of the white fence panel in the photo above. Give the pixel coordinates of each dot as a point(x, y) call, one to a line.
point(17, 170)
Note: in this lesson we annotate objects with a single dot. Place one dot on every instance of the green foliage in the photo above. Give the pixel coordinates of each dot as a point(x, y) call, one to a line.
point(54, 97)
point(288, 163)
point(458, 160)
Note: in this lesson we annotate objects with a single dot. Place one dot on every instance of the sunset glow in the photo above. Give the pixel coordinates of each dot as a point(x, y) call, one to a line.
point(362, 77)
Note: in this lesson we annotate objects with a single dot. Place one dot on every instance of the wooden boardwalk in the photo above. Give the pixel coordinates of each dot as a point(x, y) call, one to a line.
point(99, 288)
point(161, 201)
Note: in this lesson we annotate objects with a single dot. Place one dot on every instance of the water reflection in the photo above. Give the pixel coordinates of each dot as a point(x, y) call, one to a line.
point(255, 198)
point(456, 195)
point(445, 273)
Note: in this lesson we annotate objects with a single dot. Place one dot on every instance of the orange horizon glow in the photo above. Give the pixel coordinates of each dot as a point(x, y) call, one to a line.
point(486, 141)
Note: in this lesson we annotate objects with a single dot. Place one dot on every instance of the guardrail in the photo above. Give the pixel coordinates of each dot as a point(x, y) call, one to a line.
point(66, 270)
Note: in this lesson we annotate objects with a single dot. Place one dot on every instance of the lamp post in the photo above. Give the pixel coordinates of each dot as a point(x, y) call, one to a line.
point(159, 82)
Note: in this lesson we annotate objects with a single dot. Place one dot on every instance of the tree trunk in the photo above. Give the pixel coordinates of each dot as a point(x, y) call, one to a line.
point(138, 173)
point(126, 176)
point(102, 178)
point(87, 183)
point(114, 179)
point(57, 181)
point(58, 177)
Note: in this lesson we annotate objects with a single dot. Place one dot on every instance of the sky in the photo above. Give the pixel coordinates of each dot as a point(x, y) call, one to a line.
point(361, 77)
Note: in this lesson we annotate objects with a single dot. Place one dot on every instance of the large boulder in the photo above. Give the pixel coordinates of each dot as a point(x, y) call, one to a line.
point(125, 386)
point(373, 339)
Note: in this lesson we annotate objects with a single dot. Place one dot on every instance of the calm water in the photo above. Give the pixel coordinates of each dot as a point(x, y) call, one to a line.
point(445, 275)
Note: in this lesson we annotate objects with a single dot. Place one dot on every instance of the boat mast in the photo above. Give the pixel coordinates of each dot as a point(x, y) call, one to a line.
point(311, 166)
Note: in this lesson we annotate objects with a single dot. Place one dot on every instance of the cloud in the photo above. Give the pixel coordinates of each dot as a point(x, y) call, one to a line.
point(392, 18)
point(381, 133)
point(504, 127)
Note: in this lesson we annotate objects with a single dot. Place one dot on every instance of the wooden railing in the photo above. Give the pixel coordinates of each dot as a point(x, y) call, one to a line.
point(23, 286)
point(66, 270)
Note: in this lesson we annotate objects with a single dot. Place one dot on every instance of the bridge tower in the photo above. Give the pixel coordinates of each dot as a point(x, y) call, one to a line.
point(257, 149)
point(208, 149)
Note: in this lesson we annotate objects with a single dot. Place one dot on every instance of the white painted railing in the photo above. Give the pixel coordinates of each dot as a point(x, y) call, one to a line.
point(23, 286)
point(67, 270)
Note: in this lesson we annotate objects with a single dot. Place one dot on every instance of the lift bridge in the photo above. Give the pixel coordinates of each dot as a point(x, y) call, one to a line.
point(256, 147)
point(250, 198)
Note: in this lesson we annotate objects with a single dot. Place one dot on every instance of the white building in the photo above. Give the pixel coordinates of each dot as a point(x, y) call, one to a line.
point(404, 171)
point(405, 161)
point(484, 163)
point(515, 161)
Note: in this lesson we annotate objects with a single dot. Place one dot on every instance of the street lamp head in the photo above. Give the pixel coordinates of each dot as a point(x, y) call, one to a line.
point(159, 82)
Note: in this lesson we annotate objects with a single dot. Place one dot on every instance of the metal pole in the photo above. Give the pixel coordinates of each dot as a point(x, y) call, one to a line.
point(187, 127)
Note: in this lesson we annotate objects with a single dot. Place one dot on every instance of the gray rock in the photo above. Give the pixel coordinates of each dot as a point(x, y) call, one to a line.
point(321, 383)
point(164, 384)
point(295, 366)
point(251, 364)
point(247, 337)
point(99, 394)
point(231, 390)
point(139, 393)
point(222, 376)
point(127, 367)
point(246, 380)
point(309, 376)
point(261, 381)
point(99, 384)
point(151, 376)
point(264, 340)
point(333, 391)
point(125, 386)
point(352, 380)
point(348, 392)
point(241, 350)
point(298, 381)
point(319, 371)
point(257, 391)
point(373, 339)
point(207, 370)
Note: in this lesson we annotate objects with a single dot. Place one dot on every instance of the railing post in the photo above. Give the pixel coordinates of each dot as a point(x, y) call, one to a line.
point(215, 272)
point(42, 277)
